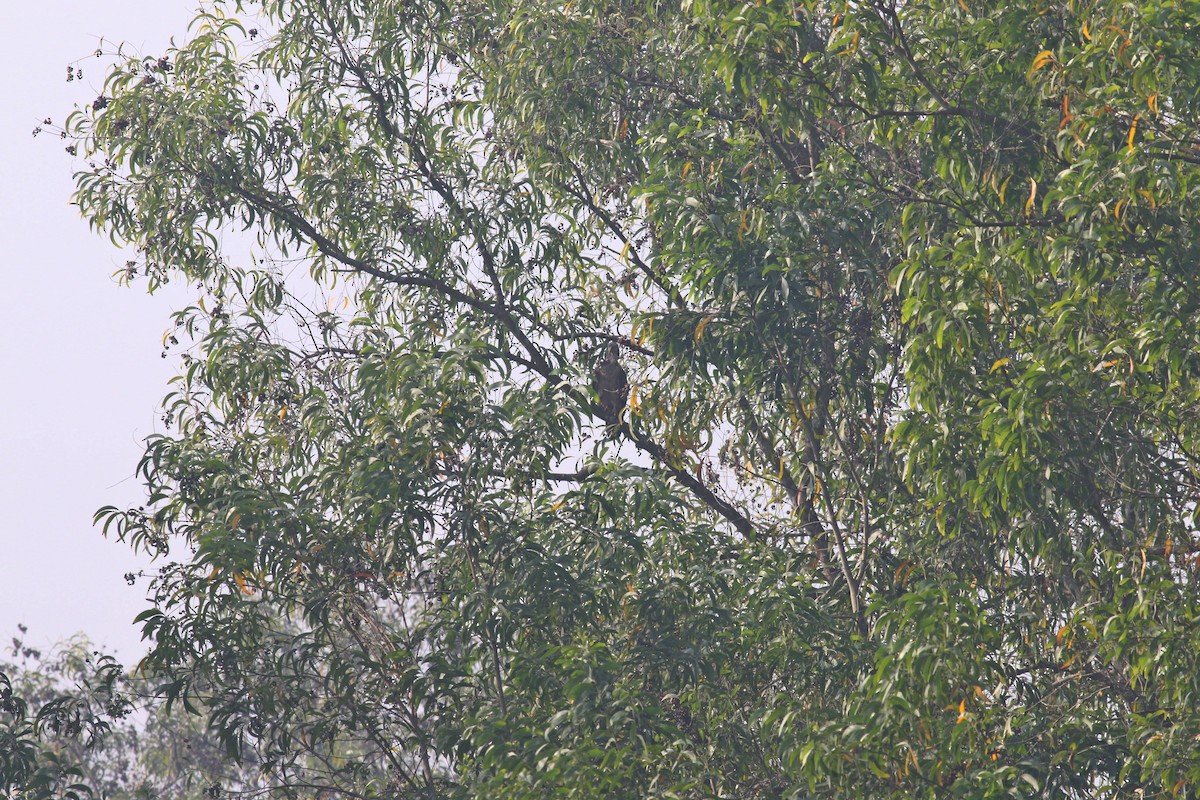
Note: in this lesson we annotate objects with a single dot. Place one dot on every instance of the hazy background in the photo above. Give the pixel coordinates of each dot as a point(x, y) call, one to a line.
point(80, 366)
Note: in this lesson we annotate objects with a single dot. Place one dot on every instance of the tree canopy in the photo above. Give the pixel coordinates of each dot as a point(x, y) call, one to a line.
point(901, 500)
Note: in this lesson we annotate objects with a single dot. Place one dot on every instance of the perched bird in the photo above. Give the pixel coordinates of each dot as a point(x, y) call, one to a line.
point(612, 388)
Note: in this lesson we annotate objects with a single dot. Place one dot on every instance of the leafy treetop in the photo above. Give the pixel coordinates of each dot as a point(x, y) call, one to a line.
point(902, 502)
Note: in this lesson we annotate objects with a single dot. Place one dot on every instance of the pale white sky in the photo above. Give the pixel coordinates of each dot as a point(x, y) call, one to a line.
point(80, 366)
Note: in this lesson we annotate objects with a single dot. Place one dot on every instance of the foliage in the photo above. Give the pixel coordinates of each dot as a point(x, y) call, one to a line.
point(35, 712)
point(903, 501)
point(76, 726)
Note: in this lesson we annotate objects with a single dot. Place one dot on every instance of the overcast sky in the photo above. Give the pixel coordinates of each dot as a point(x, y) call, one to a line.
point(80, 366)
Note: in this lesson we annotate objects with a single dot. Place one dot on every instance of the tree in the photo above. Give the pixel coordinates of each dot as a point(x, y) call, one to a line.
point(903, 499)
point(53, 710)
point(77, 726)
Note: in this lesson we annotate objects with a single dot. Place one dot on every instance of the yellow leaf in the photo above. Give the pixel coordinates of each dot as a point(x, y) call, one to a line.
point(1067, 116)
point(636, 334)
point(1058, 637)
point(962, 711)
point(686, 169)
point(282, 413)
point(1087, 33)
point(1032, 197)
point(233, 522)
point(1152, 101)
point(1133, 130)
point(625, 251)
point(1040, 60)
point(1000, 362)
point(241, 582)
point(703, 324)
point(963, 6)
